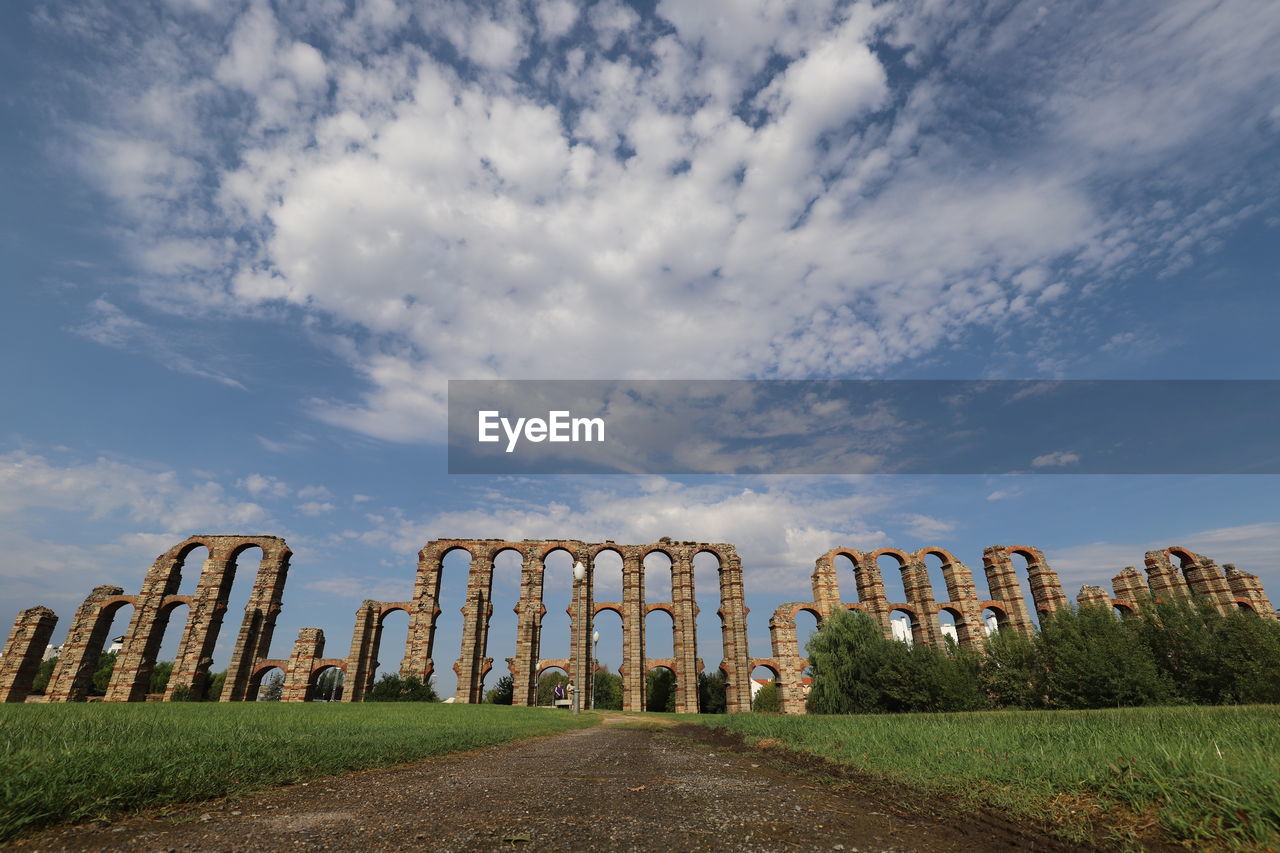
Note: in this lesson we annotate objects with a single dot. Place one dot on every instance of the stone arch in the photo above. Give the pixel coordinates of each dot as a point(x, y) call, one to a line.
point(72, 677)
point(668, 665)
point(259, 674)
point(962, 596)
point(997, 610)
point(320, 689)
point(1002, 581)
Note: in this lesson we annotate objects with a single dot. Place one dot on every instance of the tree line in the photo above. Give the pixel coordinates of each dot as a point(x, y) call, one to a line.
point(1165, 652)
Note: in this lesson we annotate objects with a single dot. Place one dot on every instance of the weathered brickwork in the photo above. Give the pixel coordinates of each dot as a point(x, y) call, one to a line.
point(22, 653)
point(474, 661)
point(1170, 573)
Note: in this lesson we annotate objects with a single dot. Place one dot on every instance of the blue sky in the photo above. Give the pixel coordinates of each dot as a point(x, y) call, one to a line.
point(247, 244)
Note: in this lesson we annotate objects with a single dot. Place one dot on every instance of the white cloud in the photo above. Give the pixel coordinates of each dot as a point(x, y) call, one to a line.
point(1056, 459)
point(315, 508)
point(262, 485)
point(750, 194)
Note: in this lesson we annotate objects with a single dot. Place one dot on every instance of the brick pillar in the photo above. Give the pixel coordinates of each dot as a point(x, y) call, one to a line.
point(204, 620)
point(1130, 587)
point(1164, 579)
point(633, 613)
point(915, 583)
point(472, 663)
point(685, 610)
point(253, 643)
point(23, 654)
point(782, 639)
point(1046, 589)
point(870, 586)
point(826, 584)
point(308, 649)
point(362, 662)
point(1093, 596)
point(1246, 587)
point(420, 643)
point(529, 612)
point(73, 675)
point(970, 631)
point(1207, 584)
point(733, 630)
point(1002, 581)
point(132, 673)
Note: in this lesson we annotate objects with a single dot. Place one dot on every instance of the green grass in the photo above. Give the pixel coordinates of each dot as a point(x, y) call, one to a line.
point(1203, 775)
point(62, 763)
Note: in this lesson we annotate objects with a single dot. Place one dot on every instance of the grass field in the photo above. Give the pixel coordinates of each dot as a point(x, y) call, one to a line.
point(1200, 775)
point(74, 762)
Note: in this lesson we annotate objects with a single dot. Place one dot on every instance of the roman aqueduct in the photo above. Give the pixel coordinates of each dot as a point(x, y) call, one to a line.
point(1171, 572)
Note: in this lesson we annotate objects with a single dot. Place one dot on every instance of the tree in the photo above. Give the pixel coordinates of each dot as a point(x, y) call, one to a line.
point(392, 688)
point(608, 691)
point(660, 690)
point(1010, 671)
point(41, 682)
point(1091, 659)
point(102, 674)
point(328, 686)
point(217, 681)
point(711, 693)
point(503, 693)
point(845, 655)
point(768, 699)
point(273, 691)
point(160, 675)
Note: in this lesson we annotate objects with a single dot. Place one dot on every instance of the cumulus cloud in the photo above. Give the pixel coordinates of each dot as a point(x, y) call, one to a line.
point(718, 189)
point(1056, 459)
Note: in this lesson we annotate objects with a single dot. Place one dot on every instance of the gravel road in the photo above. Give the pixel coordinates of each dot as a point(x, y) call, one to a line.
point(612, 787)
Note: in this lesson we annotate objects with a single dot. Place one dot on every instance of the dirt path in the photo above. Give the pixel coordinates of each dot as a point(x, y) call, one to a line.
point(612, 787)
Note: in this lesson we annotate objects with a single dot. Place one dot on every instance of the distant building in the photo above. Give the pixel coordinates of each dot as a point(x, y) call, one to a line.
point(53, 651)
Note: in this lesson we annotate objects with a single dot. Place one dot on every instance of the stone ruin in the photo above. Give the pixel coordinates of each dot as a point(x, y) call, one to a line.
point(1191, 576)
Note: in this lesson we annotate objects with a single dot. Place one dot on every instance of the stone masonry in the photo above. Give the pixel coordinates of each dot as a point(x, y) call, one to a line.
point(1170, 572)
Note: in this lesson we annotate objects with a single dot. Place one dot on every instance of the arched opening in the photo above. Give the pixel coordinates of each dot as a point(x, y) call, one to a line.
point(660, 689)
point(712, 682)
point(943, 592)
point(608, 624)
point(659, 634)
point(657, 577)
point(455, 575)
point(553, 683)
point(1022, 568)
point(846, 577)
point(392, 636)
point(607, 694)
point(891, 574)
point(993, 620)
point(326, 684)
point(902, 623)
point(1120, 611)
point(1245, 606)
point(948, 619)
point(806, 626)
point(159, 667)
point(237, 588)
point(169, 634)
point(266, 684)
point(504, 595)
point(557, 597)
point(766, 695)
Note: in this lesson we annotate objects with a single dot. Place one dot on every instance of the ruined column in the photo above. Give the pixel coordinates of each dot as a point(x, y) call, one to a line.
point(362, 661)
point(420, 645)
point(253, 643)
point(529, 612)
point(733, 629)
point(1246, 587)
point(204, 619)
point(685, 610)
point(24, 652)
point(826, 584)
point(1207, 584)
point(870, 584)
point(1164, 580)
point(1130, 587)
point(915, 583)
point(1093, 596)
point(786, 653)
point(308, 649)
point(472, 663)
point(633, 613)
point(78, 661)
point(152, 607)
point(970, 631)
point(1002, 581)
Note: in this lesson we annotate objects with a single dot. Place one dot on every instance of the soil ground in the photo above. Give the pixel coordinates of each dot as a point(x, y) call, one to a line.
point(618, 786)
